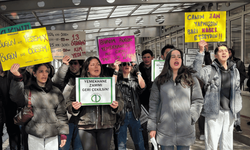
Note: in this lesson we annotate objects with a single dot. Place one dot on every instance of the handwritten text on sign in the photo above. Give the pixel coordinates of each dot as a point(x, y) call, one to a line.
point(157, 68)
point(15, 28)
point(69, 43)
point(121, 48)
point(208, 26)
point(27, 48)
point(95, 91)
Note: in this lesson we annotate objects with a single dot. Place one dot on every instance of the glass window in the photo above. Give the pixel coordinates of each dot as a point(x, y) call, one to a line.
point(162, 45)
point(180, 42)
point(167, 41)
point(236, 11)
point(173, 41)
point(153, 49)
point(236, 37)
point(158, 50)
point(247, 40)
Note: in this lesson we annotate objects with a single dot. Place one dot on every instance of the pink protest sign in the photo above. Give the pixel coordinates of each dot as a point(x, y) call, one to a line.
point(121, 48)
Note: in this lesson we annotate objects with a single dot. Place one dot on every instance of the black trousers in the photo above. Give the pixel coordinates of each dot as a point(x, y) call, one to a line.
point(96, 139)
point(201, 123)
point(13, 132)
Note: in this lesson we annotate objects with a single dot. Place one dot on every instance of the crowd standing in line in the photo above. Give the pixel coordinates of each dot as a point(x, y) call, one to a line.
point(60, 122)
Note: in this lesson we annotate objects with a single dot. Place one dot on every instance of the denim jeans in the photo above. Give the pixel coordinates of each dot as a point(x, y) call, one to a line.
point(135, 130)
point(172, 147)
point(73, 139)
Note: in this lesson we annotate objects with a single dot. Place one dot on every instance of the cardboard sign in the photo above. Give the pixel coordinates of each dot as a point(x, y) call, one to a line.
point(156, 68)
point(189, 59)
point(192, 51)
point(69, 43)
point(95, 91)
point(15, 28)
point(209, 26)
point(29, 47)
point(121, 48)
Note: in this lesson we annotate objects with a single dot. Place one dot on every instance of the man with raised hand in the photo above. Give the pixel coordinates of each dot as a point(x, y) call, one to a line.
point(222, 101)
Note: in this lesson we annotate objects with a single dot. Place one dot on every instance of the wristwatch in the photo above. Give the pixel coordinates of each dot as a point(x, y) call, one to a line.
point(138, 73)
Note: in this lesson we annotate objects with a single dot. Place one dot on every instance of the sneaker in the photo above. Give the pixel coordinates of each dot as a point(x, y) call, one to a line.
point(202, 137)
point(238, 129)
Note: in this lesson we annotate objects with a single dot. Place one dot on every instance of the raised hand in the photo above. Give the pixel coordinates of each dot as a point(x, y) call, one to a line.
point(66, 59)
point(202, 44)
point(116, 64)
point(14, 70)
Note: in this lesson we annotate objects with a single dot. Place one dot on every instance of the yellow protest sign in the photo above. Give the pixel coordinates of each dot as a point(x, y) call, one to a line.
point(27, 48)
point(208, 26)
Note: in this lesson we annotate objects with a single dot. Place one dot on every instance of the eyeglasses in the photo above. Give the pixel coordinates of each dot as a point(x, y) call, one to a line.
point(126, 63)
point(74, 62)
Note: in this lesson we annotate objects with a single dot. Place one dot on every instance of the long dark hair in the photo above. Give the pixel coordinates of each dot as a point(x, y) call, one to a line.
point(86, 65)
point(184, 75)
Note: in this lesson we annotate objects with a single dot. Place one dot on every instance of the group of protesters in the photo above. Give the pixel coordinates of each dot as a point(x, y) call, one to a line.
point(174, 102)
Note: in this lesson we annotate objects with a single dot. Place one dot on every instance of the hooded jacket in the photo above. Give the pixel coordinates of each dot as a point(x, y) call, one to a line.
point(212, 98)
point(50, 118)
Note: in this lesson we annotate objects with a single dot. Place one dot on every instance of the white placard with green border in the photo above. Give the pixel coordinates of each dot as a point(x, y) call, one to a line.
point(157, 66)
point(95, 91)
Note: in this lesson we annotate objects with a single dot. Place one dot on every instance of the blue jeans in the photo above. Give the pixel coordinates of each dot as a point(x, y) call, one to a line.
point(73, 139)
point(172, 147)
point(135, 130)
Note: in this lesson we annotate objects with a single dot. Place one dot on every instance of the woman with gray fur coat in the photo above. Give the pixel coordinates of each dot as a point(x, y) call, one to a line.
point(48, 105)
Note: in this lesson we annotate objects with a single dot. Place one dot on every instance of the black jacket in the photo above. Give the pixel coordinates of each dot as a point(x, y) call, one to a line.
point(8, 107)
point(241, 67)
point(136, 90)
point(248, 81)
point(144, 97)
